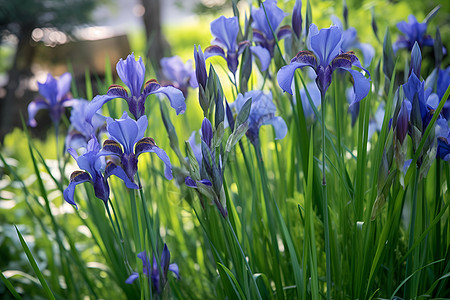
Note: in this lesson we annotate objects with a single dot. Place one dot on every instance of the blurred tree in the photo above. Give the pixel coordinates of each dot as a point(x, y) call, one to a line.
point(19, 19)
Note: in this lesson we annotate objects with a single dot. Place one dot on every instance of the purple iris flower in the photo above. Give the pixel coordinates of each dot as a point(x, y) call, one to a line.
point(439, 80)
point(443, 136)
point(152, 270)
point(93, 163)
point(225, 32)
point(350, 41)
point(82, 130)
point(130, 134)
point(413, 31)
point(56, 97)
point(262, 32)
point(132, 73)
point(200, 67)
point(262, 112)
point(297, 19)
point(326, 56)
point(180, 75)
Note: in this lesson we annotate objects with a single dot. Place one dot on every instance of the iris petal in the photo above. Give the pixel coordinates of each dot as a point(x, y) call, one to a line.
point(326, 44)
point(226, 30)
point(279, 125)
point(286, 75)
point(132, 73)
point(33, 108)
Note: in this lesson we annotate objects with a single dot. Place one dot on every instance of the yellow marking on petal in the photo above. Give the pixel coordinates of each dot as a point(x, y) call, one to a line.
point(147, 140)
point(116, 87)
point(75, 174)
point(149, 82)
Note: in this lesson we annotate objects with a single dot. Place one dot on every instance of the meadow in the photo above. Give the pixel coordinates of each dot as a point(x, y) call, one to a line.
point(293, 157)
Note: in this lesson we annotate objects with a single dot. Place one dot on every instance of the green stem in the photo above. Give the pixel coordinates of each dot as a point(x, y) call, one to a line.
point(409, 263)
point(325, 204)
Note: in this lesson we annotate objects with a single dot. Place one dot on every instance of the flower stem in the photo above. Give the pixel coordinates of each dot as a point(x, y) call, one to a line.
point(325, 205)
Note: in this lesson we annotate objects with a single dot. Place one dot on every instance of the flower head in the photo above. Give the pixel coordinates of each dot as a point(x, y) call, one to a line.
point(132, 73)
point(94, 164)
point(324, 58)
point(443, 139)
point(413, 31)
point(180, 75)
point(263, 25)
point(152, 270)
point(56, 97)
point(262, 112)
point(127, 142)
point(225, 32)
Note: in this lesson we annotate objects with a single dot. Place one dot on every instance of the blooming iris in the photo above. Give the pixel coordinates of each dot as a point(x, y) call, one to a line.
point(130, 133)
point(413, 32)
point(181, 75)
point(56, 98)
point(132, 73)
point(262, 112)
point(152, 271)
point(326, 56)
point(93, 163)
point(225, 32)
point(262, 30)
point(443, 134)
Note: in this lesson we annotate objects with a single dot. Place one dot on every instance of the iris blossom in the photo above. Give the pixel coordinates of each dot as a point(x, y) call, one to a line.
point(262, 112)
point(56, 97)
point(262, 31)
point(326, 56)
point(443, 134)
point(225, 32)
point(152, 270)
point(180, 75)
point(413, 31)
point(132, 73)
point(82, 130)
point(129, 134)
point(93, 164)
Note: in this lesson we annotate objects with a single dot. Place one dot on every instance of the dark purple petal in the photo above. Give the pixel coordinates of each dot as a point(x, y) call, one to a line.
point(361, 85)
point(132, 73)
point(111, 147)
point(402, 123)
point(113, 169)
point(297, 18)
point(117, 91)
point(33, 108)
point(207, 132)
point(263, 55)
point(226, 30)
point(76, 178)
point(101, 188)
point(205, 182)
point(344, 60)
point(165, 260)
point(132, 278)
point(200, 67)
point(190, 182)
point(214, 50)
point(284, 32)
point(326, 44)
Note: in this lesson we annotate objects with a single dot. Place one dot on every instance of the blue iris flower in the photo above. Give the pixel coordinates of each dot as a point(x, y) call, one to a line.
point(129, 134)
point(180, 75)
point(413, 31)
point(93, 164)
point(132, 73)
point(262, 32)
point(225, 32)
point(443, 136)
point(152, 271)
point(326, 56)
point(262, 112)
point(56, 97)
point(297, 19)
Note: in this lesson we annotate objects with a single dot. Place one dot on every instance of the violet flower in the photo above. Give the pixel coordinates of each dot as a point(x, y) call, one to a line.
point(132, 73)
point(225, 32)
point(262, 112)
point(297, 19)
point(129, 134)
point(326, 56)
point(180, 75)
point(152, 270)
point(93, 164)
point(262, 30)
point(413, 31)
point(56, 97)
point(443, 139)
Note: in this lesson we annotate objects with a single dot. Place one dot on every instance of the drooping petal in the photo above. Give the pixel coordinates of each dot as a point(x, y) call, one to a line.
point(174, 268)
point(274, 15)
point(148, 145)
point(76, 178)
point(279, 125)
point(263, 55)
point(226, 30)
point(361, 85)
point(96, 104)
point(113, 169)
point(326, 44)
point(111, 147)
point(214, 50)
point(132, 73)
point(33, 108)
point(286, 75)
point(176, 98)
point(132, 278)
